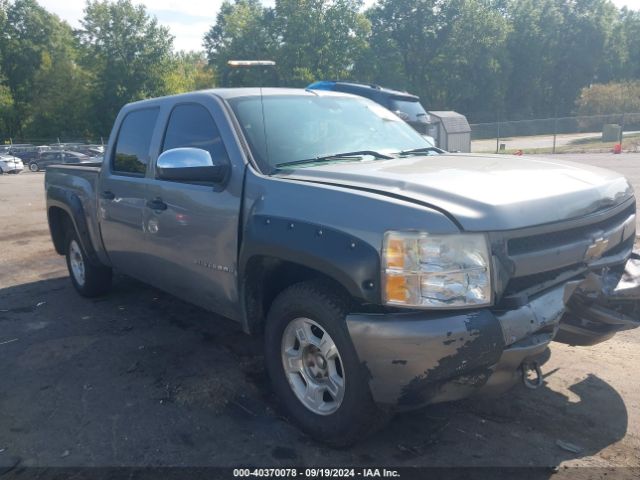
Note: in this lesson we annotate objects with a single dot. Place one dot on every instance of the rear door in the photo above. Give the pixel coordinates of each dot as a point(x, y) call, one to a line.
point(122, 193)
point(194, 239)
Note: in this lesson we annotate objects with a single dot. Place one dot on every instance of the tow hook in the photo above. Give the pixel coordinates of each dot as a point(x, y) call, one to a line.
point(535, 381)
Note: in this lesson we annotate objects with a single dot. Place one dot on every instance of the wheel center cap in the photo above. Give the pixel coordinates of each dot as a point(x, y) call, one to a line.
point(321, 362)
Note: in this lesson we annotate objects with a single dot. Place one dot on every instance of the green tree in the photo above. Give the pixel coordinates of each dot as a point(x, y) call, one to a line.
point(450, 53)
point(6, 112)
point(556, 49)
point(319, 39)
point(60, 107)
point(609, 98)
point(6, 99)
point(30, 35)
point(308, 39)
point(469, 69)
point(189, 71)
point(532, 47)
point(127, 55)
point(241, 32)
point(629, 26)
point(588, 28)
point(614, 64)
point(405, 37)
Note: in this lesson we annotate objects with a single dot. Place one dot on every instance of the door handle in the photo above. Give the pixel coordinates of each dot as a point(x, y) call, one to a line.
point(107, 195)
point(156, 204)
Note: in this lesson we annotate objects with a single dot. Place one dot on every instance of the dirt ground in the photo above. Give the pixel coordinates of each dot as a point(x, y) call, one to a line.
point(140, 378)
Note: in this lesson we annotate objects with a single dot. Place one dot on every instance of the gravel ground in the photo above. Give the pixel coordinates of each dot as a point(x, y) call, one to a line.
point(140, 378)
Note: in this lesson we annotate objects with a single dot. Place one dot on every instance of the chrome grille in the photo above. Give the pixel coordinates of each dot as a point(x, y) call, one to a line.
point(537, 258)
point(558, 238)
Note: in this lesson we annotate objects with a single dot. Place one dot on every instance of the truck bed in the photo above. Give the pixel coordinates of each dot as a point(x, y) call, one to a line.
point(61, 175)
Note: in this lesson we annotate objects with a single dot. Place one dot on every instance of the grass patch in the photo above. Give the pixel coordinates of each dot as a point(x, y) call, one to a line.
point(596, 140)
point(580, 145)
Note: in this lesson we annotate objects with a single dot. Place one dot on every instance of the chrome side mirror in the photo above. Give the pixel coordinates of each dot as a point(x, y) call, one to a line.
point(189, 165)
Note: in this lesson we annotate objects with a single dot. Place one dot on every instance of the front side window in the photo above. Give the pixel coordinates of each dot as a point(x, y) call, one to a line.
point(282, 129)
point(132, 147)
point(191, 125)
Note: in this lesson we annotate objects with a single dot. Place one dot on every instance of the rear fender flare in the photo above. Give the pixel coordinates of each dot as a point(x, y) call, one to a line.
point(72, 205)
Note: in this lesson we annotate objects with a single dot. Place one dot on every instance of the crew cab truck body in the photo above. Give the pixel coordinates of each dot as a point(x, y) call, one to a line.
point(383, 275)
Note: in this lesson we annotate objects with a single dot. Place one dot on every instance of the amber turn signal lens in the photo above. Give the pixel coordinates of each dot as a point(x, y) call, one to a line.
point(396, 289)
point(394, 254)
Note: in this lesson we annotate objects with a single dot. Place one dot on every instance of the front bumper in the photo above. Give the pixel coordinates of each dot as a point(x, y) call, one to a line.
point(417, 358)
point(12, 168)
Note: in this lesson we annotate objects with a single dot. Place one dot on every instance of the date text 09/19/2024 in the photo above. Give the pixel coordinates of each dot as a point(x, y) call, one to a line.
point(316, 473)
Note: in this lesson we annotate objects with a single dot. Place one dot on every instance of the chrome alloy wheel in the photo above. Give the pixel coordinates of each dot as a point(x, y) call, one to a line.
point(77, 262)
point(313, 366)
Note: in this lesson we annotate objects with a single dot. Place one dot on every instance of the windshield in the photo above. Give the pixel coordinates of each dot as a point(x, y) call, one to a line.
point(305, 127)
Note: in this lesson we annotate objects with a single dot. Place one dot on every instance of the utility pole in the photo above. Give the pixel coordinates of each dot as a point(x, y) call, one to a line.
point(555, 131)
point(498, 135)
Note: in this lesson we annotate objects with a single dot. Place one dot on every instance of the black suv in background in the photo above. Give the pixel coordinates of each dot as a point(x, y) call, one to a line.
point(403, 104)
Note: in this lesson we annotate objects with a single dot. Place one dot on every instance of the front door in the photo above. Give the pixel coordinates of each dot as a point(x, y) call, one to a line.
point(122, 193)
point(192, 228)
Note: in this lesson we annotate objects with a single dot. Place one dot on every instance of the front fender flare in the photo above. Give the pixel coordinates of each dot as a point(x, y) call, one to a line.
point(352, 263)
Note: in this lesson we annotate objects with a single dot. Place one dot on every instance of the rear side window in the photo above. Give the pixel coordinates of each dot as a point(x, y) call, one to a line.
point(191, 125)
point(132, 147)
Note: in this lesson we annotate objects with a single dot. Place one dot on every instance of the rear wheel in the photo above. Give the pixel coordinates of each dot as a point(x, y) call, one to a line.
point(34, 167)
point(89, 280)
point(314, 367)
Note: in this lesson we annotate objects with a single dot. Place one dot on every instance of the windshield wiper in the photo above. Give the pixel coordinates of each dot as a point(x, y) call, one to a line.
point(420, 150)
point(325, 158)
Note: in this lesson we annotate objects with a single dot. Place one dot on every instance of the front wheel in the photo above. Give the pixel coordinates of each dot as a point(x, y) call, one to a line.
point(313, 366)
point(88, 279)
point(34, 167)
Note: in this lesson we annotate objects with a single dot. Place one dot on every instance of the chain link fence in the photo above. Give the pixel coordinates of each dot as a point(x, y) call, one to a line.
point(587, 133)
point(54, 141)
point(592, 133)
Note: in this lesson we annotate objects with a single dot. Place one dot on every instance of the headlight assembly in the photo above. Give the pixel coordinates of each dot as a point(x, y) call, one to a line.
point(436, 271)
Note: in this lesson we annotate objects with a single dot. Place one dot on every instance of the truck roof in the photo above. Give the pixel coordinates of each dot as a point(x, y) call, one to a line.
point(228, 93)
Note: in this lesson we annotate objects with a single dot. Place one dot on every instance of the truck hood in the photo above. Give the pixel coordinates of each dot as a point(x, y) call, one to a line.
point(482, 192)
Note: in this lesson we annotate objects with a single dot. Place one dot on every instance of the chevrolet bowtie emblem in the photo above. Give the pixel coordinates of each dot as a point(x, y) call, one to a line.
point(596, 249)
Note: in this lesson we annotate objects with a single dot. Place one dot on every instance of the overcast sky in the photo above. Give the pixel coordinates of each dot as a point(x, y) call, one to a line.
point(188, 19)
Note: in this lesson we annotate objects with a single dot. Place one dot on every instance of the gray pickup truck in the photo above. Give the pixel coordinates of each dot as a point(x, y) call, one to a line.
point(383, 274)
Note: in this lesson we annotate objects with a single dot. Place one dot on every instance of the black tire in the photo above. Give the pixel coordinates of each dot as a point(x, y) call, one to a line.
point(34, 167)
point(357, 414)
point(97, 279)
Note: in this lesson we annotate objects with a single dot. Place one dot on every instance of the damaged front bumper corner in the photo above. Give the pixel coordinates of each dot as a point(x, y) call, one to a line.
point(418, 358)
point(603, 305)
